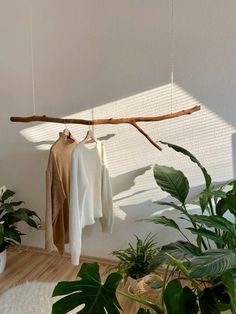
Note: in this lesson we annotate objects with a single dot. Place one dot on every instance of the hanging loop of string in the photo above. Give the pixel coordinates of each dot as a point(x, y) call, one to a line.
point(92, 114)
point(32, 60)
point(172, 55)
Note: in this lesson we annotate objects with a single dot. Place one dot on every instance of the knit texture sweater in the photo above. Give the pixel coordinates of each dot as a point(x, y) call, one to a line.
point(90, 194)
point(58, 193)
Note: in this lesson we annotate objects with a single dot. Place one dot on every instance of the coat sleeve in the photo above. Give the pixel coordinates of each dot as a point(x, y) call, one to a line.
point(107, 203)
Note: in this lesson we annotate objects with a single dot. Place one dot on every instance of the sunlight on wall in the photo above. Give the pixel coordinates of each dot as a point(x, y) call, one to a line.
point(204, 133)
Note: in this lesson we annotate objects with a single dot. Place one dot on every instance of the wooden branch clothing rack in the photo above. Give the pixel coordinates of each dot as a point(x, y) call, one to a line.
point(131, 120)
point(68, 207)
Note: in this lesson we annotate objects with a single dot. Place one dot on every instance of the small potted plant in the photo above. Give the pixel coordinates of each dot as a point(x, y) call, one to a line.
point(11, 212)
point(134, 261)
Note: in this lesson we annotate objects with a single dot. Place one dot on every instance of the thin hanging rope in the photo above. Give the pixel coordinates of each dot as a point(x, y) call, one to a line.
point(93, 128)
point(32, 60)
point(172, 54)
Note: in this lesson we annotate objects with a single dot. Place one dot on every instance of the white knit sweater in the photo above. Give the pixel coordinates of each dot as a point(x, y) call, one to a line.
point(90, 194)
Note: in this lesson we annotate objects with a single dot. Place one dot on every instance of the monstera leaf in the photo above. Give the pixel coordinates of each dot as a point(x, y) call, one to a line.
point(88, 291)
point(172, 181)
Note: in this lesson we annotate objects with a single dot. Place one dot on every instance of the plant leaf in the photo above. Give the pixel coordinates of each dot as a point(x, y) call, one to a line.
point(208, 302)
point(215, 222)
point(229, 280)
point(212, 263)
point(170, 204)
point(1, 234)
point(193, 158)
point(179, 250)
point(207, 234)
point(96, 297)
point(163, 220)
point(228, 203)
point(180, 300)
point(172, 181)
point(7, 194)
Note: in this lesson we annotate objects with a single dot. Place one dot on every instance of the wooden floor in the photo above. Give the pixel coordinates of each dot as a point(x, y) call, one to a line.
point(28, 264)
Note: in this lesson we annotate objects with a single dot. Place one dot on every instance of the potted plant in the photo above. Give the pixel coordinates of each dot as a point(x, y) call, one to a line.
point(135, 259)
point(206, 281)
point(134, 265)
point(10, 214)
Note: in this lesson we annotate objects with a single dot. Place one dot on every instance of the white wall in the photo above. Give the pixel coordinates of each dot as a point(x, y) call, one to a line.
point(115, 56)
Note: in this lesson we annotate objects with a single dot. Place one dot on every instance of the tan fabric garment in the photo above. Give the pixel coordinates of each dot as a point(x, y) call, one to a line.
point(58, 193)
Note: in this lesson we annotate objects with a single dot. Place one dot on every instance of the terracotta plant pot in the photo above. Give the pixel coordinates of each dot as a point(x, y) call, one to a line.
point(3, 260)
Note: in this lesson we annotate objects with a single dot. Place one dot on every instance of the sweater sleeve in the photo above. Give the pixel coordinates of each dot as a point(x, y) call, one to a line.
point(49, 245)
point(75, 228)
point(107, 203)
point(54, 222)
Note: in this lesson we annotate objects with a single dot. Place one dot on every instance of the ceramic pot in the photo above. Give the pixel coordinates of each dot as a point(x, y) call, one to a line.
point(3, 260)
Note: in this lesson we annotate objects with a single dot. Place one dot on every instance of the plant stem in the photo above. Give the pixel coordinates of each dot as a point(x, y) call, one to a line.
point(184, 270)
point(195, 226)
point(142, 301)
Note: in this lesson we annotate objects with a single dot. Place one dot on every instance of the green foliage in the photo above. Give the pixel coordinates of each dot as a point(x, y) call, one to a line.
point(88, 291)
point(9, 216)
point(229, 280)
point(180, 250)
point(134, 261)
point(208, 302)
point(180, 300)
point(162, 220)
point(212, 263)
point(172, 181)
point(193, 159)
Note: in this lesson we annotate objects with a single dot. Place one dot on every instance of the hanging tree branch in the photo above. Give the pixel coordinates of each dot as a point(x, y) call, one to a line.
point(131, 120)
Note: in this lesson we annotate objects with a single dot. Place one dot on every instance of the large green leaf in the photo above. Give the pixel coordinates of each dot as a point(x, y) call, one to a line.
point(170, 204)
point(212, 263)
point(97, 297)
point(215, 222)
point(179, 300)
point(229, 280)
point(163, 220)
point(208, 302)
point(13, 234)
point(228, 203)
point(193, 158)
point(180, 250)
point(21, 214)
point(207, 234)
point(172, 181)
point(7, 194)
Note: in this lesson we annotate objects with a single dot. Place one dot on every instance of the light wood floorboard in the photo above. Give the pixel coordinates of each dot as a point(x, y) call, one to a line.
point(28, 264)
